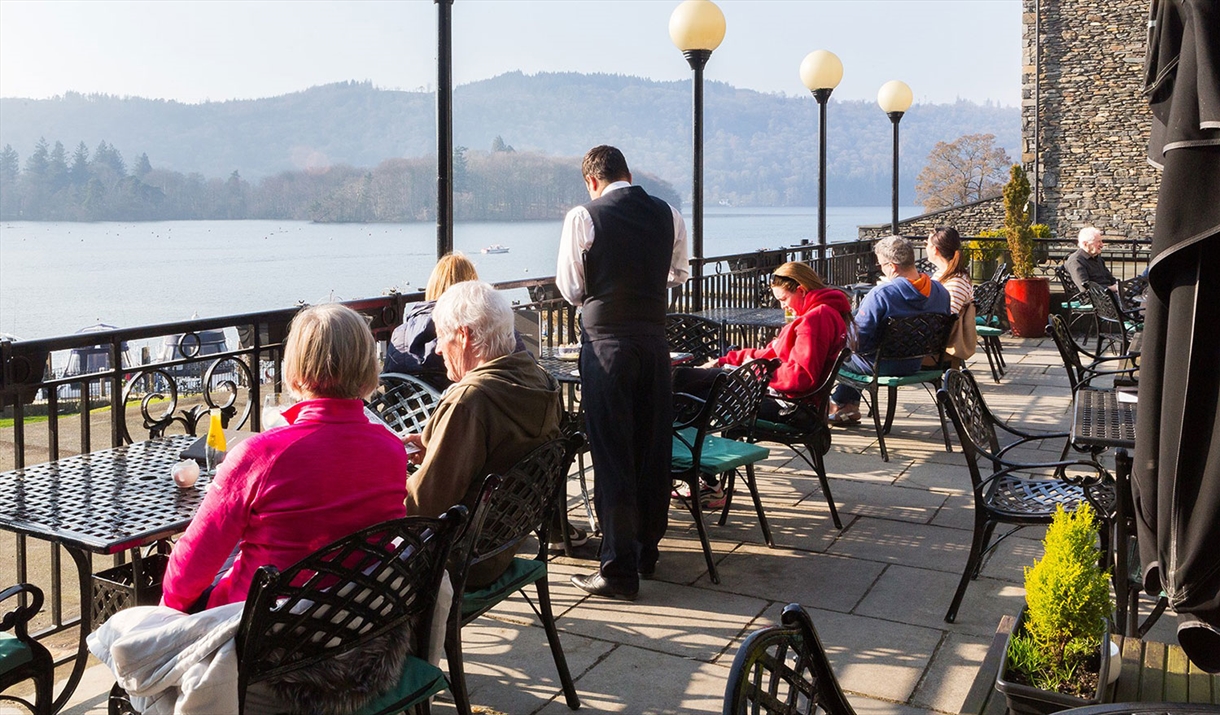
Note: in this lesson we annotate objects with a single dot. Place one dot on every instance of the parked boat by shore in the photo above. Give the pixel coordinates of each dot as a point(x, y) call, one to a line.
point(495, 248)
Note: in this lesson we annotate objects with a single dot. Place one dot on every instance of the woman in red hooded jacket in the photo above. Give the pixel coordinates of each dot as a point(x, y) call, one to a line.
point(807, 346)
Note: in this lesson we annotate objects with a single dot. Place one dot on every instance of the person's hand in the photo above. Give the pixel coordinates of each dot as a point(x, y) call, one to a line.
point(714, 362)
point(414, 445)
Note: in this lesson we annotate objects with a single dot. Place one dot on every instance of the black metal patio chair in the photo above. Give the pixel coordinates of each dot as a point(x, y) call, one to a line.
point(1082, 370)
point(805, 429)
point(1010, 492)
point(783, 670)
point(404, 402)
point(21, 657)
point(510, 508)
point(988, 302)
point(693, 334)
point(311, 636)
point(912, 337)
point(732, 402)
point(1113, 320)
point(1076, 304)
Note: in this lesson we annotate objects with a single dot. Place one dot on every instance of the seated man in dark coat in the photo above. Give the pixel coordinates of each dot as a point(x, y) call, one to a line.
point(1086, 263)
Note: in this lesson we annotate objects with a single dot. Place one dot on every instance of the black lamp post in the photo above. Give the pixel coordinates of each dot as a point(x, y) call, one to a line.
point(895, 98)
point(697, 28)
point(821, 72)
point(444, 127)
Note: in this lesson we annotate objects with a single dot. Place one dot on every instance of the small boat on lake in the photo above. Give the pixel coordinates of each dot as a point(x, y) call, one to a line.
point(496, 248)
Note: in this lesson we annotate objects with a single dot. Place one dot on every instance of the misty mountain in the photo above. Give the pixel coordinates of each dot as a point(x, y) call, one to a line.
point(760, 148)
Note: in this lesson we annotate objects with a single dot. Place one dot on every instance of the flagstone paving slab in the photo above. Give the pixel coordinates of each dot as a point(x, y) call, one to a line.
point(951, 672)
point(897, 542)
point(888, 501)
point(646, 682)
point(831, 582)
point(921, 596)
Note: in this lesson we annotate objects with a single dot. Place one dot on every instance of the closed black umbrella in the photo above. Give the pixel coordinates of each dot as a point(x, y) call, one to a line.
point(1177, 456)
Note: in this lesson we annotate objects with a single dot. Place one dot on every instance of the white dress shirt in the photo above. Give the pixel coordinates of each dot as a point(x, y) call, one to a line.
point(578, 237)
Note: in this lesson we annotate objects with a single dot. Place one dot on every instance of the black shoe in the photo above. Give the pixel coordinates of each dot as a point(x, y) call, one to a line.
point(648, 572)
point(597, 585)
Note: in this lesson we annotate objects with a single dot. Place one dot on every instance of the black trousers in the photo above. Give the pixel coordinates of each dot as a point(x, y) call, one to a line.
point(627, 398)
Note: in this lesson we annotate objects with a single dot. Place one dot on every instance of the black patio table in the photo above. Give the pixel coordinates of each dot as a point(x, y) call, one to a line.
point(1101, 419)
point(105, 502)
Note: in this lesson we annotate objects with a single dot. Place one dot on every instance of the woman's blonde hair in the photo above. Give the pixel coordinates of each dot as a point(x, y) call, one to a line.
point(450, 269)
point(793, 274)
point(330, 352)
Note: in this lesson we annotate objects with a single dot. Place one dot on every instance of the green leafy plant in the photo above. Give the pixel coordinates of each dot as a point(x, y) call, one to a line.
point(1040, 230)
point(1067, 598)
point(1016, 223)
point(985, 250)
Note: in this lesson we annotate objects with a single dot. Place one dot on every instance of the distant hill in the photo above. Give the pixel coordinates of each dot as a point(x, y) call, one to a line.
point(760, 149)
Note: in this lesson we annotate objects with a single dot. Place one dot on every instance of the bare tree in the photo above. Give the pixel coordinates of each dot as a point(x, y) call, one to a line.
point(967, 169)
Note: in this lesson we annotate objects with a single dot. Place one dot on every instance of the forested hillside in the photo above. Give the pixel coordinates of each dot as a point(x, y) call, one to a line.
point(760, 149)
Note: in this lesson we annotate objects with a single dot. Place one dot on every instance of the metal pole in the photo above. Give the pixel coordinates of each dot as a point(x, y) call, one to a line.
point(697, 60)
point(895, 117)
point(821, 95)
point(444, 127)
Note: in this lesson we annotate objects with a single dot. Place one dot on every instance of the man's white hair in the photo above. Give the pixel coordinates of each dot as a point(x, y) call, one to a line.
point(896, 250)
point(1087, 234)
point(485, 314)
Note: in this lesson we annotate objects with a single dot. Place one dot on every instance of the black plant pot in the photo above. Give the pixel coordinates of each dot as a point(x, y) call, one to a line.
point(1028, 699)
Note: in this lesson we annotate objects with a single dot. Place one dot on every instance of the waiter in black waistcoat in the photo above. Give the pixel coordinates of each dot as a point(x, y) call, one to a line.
point(618, 255)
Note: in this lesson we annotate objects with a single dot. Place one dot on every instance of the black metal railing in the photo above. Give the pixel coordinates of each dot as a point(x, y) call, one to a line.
point(57, 412)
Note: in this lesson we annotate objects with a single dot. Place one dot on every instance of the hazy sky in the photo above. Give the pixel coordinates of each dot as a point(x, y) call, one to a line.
point(201, 50)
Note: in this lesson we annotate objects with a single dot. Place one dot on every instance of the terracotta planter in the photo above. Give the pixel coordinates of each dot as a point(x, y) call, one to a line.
point(1028, 700)
point(1028, 301)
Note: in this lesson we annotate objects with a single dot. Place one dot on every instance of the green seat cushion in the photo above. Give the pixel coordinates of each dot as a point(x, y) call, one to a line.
point(718, 455)
point(520, 573)
point(13, 653)
point(420, 680)
point(854, 376)
point(986, 332)
point(1076, 305)
point(775, 427)
point(921, 376)
point(994, 321)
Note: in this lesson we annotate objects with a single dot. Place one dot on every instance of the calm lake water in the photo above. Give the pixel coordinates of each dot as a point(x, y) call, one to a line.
point(56, 278)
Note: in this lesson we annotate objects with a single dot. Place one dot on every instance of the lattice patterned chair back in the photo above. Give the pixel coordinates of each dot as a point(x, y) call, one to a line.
point(1070, 289)
point(522, 501)
point(1069, 351)
point(783, 670)
point(404, 402)
point(919, 335)
point(518, 503)
point(974, 421)
point(737, 400)
point(692, 334)
point(379, 583)
point(987, 301)
point(1110, 313)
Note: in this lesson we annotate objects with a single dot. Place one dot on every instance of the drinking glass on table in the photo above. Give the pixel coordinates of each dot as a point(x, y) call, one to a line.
point(274, 405)
point(215, 445)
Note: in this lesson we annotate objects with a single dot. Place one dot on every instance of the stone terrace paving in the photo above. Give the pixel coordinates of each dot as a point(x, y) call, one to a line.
point(877, 590)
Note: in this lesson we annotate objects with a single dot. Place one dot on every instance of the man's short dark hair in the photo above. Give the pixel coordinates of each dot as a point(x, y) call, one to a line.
point(605, 163)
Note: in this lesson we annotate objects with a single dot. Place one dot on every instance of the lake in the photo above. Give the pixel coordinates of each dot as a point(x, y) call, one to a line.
point(56, 278)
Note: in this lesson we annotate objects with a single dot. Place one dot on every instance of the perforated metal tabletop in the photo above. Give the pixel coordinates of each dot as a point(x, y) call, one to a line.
point(1102, 420)
point(104, 502)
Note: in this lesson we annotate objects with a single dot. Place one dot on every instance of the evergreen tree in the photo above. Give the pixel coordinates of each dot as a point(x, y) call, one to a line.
point(106, 155)
point(143, 166)
point(78, 173)
point(36, 165)
point(10, 168)
point(57, 167)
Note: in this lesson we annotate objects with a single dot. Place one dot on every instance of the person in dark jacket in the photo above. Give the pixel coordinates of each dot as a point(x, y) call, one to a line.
point(1086, 264)
point(906, 292)
point(617, 256)
point(412, 347)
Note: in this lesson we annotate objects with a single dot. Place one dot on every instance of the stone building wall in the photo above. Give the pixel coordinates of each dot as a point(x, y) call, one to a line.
point(1093, 121)
point(968, 219)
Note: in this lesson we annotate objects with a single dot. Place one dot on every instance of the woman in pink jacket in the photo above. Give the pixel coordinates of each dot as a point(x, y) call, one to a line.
point(285, 493)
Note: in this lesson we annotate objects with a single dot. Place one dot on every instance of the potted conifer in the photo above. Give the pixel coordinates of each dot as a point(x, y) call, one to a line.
point(1058, 654)
point(1027, 297)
